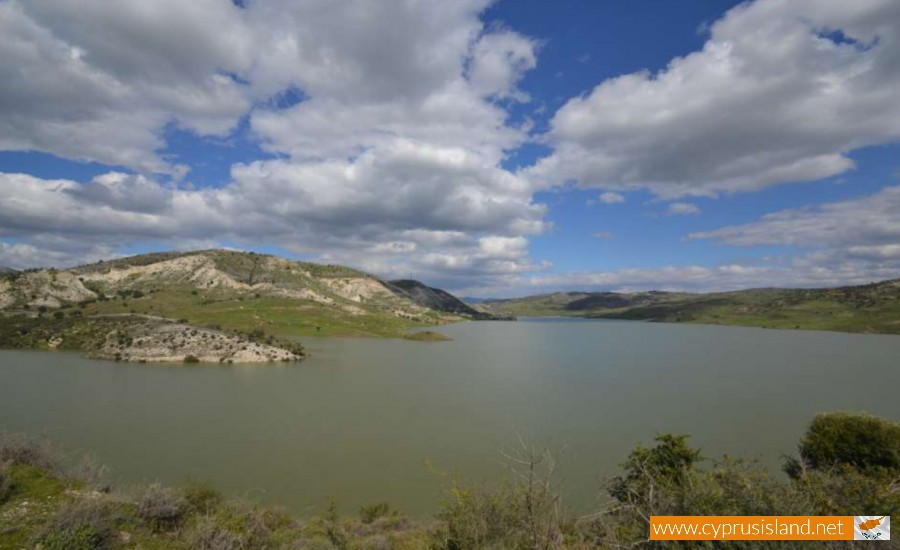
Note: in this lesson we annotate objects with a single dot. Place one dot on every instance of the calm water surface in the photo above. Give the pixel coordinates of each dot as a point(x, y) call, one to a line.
point(370, 420)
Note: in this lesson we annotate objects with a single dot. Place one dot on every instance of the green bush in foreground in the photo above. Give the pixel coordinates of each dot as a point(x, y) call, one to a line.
point(863, 442)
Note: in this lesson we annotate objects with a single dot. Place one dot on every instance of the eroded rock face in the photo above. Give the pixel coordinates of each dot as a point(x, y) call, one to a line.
point(357, 289)
point(177, 342)
point(197, 270)
point(46, 287)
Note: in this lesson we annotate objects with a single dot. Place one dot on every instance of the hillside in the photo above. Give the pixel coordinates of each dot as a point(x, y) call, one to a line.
point(438, 300)
point(873, 308)
point(254, 297)
point(573, 303)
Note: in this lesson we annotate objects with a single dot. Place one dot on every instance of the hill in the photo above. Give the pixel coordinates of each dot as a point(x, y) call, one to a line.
point(873, 308)
point(573, 303)
point(438, 300)
point(256, 298)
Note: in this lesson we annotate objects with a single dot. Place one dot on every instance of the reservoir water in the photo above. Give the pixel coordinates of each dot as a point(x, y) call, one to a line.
point(366, 420)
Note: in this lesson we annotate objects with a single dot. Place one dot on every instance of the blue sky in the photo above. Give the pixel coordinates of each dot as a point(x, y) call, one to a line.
point(494, 149)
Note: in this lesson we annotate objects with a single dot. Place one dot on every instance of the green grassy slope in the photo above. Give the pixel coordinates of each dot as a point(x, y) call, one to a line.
point(871, 308)
point(231, 290)
point(259, 298)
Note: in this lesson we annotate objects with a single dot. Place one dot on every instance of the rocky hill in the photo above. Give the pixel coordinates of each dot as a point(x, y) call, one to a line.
point(867, 308)
point(249, 296)
point(438, 300)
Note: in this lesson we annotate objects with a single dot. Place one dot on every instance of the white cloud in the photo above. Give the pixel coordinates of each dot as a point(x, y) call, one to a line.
point(95, 80)
point(603, 235)
point(873, 220)
point(696, 278)
point(774, 96)
point(611, 198)
point(390, 161)
point(499, 59)
point(682, 209)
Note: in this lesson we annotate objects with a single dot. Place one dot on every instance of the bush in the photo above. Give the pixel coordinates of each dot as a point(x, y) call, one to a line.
point(331, 522)
point(668, 464)
point(6, 482)
point(237, 525)
point(15, 449)
point(161, 507)
point(207, 534)
point(523, 514)
point(201, 497)
point(191, 359)
point(368, 514)
point(81, 525)
point(864, 442)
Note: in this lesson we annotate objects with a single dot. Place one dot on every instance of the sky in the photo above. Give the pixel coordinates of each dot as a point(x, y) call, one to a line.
point(494, 149)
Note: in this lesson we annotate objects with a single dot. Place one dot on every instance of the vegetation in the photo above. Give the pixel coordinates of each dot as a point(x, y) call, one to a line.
point(47, 505)
point(133, 337)
point(237, 292)
point(873, 308)
point(427, 336)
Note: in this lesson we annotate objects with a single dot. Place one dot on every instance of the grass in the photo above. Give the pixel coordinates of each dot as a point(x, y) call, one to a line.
point(771, 311)
point(871, 308)
point(279, 316)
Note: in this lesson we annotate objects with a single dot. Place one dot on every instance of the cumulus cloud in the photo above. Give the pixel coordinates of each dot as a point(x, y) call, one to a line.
point(697, 278)
point(100, 81)
point(371, 212)
point(391, 157)
point(682, 209)
point(867, 228)
point(781, 92)
point(611, 198)
point(390, 160)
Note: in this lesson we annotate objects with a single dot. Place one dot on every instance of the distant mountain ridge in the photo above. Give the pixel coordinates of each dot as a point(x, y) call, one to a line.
point(872, 308)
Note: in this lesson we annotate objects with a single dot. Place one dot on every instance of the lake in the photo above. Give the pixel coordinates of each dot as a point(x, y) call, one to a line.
point(369, 420)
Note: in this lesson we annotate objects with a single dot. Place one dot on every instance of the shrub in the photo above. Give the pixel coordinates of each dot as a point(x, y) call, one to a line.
point(668, 464)
point(368, 514)
point(201, 497)
point(331, 521)
point(16, 449)
point(6, 482)
point(840, 491)
point(523, 514)
point(863, 442)
point(81, 525)
point(236, 525)
point(161, 507)
point(207, 534)
point(191, 359)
